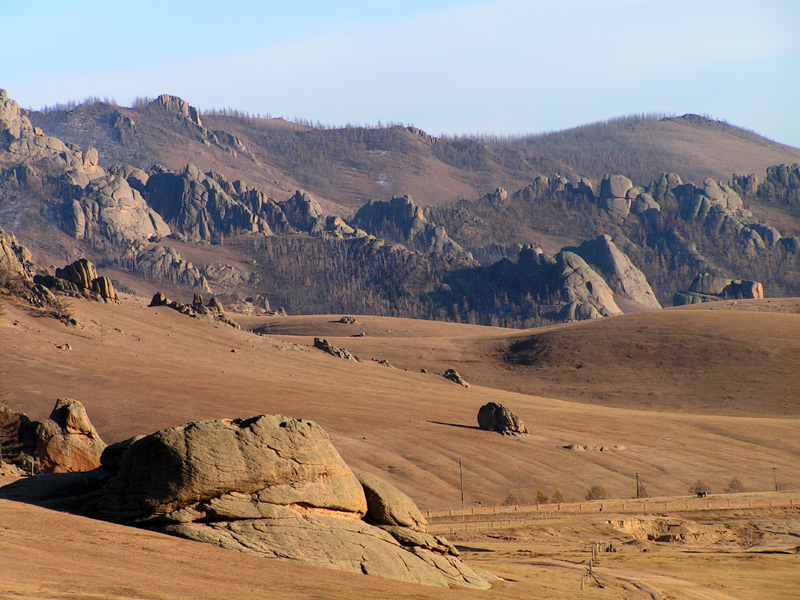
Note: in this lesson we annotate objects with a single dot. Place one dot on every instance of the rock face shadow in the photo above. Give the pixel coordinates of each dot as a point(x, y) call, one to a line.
point(452, 424)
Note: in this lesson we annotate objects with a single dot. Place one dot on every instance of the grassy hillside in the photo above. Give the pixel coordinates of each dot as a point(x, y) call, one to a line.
point(345, 166)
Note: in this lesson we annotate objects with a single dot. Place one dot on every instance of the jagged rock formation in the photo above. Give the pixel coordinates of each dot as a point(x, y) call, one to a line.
point(180, 107)
point(401, 220)
point(303, 212)
point(196, 205)
point(453, 375)
point(110, 211)
point(189, 116)
point(617, 270)
point(66, 442)
point(163, 263)
point(342, 353)
point(585, 293)
point(707, 288)
point(213, 311)
point(668, 228)
point(496, 417)
point(81, 280)
point(551, 288)
point(17, 277)
point(15, 260)
point(19, 138)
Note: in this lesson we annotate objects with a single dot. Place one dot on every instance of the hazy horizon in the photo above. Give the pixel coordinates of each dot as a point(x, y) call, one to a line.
point(503, 67)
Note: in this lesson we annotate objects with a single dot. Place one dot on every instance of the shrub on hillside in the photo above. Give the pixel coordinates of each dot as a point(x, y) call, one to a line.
point(596, 492)
point(699, 487)
point(734, 486)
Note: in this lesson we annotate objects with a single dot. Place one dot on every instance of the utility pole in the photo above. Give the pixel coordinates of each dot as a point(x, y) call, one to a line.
point(461, 475)
point(775, 477)
point(640, 491)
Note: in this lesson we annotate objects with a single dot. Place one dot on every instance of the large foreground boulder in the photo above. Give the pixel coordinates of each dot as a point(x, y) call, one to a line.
point(276, 487)
point(186, 473)
point(268, 485)
point(496, 417)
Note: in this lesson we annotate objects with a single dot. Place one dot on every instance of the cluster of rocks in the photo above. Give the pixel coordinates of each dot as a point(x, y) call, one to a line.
point(66, 442)
point(343, 353)
point(401, 220)
point(267, 485)
point(496, 417)
point(708, 288)
point(586, 448)
point(164, 263)
point(80, 280)
point(19, 275)
point(213, 310)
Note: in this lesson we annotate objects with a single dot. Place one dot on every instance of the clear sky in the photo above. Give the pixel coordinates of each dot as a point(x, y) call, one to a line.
point(446, 66)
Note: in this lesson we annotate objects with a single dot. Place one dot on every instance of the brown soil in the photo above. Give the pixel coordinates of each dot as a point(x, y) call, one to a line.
point(138, 369)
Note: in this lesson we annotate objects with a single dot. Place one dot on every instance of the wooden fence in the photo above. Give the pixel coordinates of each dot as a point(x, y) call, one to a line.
point(513, 516)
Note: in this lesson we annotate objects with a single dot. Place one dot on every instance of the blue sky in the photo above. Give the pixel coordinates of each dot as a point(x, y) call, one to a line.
point(502, 66)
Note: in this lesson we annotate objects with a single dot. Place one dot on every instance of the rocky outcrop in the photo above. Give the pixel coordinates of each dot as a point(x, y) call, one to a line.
point(326, 346)
point(37, 155)
point(15, 260)
point(124, 128)
point(303, 212)
point(614, 195)
point(707, 288)
point(401, 220)
point(272, 486)
point(213, 311)
point(585, 294)
point(230, 470)
point(179, 107)
point(453, 375)
point(66, 442)
point(621, 275)
point(386, 505)
point(200, 207)
point(79, 279)
point(110, 212)
point(496, 417)
point(164, 263)
point(17, 275)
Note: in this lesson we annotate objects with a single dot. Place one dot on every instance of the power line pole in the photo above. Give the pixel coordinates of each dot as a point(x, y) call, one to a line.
point(775, 477)
point(461, 475)
point(637, 484)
